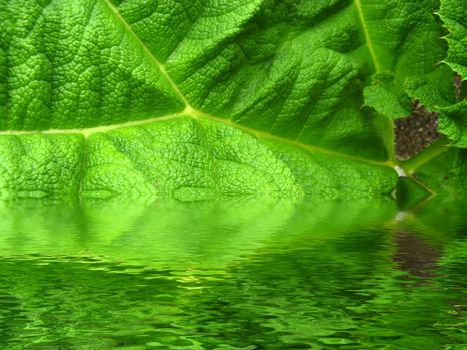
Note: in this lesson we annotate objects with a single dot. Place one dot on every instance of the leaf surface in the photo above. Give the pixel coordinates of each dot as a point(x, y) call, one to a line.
point(196, 99)
point(453, 14)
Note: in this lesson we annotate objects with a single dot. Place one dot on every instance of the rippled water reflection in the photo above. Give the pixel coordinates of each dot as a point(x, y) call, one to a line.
point(236, 275)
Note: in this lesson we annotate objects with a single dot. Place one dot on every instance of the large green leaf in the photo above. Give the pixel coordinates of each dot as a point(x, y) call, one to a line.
point(198, 99)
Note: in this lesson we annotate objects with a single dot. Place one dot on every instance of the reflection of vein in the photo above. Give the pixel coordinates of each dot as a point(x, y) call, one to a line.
point(147, 51)
point(369, 43)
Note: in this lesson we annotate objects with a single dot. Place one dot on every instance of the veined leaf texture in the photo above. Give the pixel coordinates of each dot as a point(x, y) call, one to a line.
point(201, 99)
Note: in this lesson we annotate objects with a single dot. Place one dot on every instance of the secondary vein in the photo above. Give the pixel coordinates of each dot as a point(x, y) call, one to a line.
point(151, 56)
point(308, 147)
point(191, 112)
point(368, 40)
point(86, 132)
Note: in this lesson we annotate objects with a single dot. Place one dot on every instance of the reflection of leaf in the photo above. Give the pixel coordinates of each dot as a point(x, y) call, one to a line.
point(441, 219)
point(228, 274)
point(201, 99)
point(164, 265)
point(207, 235)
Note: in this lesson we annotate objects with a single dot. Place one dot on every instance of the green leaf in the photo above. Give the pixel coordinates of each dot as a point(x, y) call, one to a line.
point(183, 158)
point(453, 123)
point(453, 113)
point(446, 174)
point(195, 100)
point(407, 51)
point(452, 13)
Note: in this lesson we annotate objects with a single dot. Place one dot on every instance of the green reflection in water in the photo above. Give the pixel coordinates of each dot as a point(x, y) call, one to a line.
point(232, 275)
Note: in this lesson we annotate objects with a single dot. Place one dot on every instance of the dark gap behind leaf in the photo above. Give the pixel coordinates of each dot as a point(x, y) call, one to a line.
point(415, 132)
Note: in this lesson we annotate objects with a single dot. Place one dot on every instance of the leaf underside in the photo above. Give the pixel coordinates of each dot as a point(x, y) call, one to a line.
point(200, 99)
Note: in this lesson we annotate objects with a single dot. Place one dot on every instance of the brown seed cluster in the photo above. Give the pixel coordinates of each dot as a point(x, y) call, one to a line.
point(416, 132)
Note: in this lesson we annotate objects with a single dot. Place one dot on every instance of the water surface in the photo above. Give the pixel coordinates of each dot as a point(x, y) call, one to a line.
point(232, 275)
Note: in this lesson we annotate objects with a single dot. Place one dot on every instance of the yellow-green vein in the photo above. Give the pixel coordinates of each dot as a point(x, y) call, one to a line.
point(366, 32)
point(159, 64)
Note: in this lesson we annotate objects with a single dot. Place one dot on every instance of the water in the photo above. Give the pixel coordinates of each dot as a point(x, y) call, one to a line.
point(233, 275)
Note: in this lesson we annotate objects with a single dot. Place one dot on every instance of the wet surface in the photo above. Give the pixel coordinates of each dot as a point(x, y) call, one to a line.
point(232, 276)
